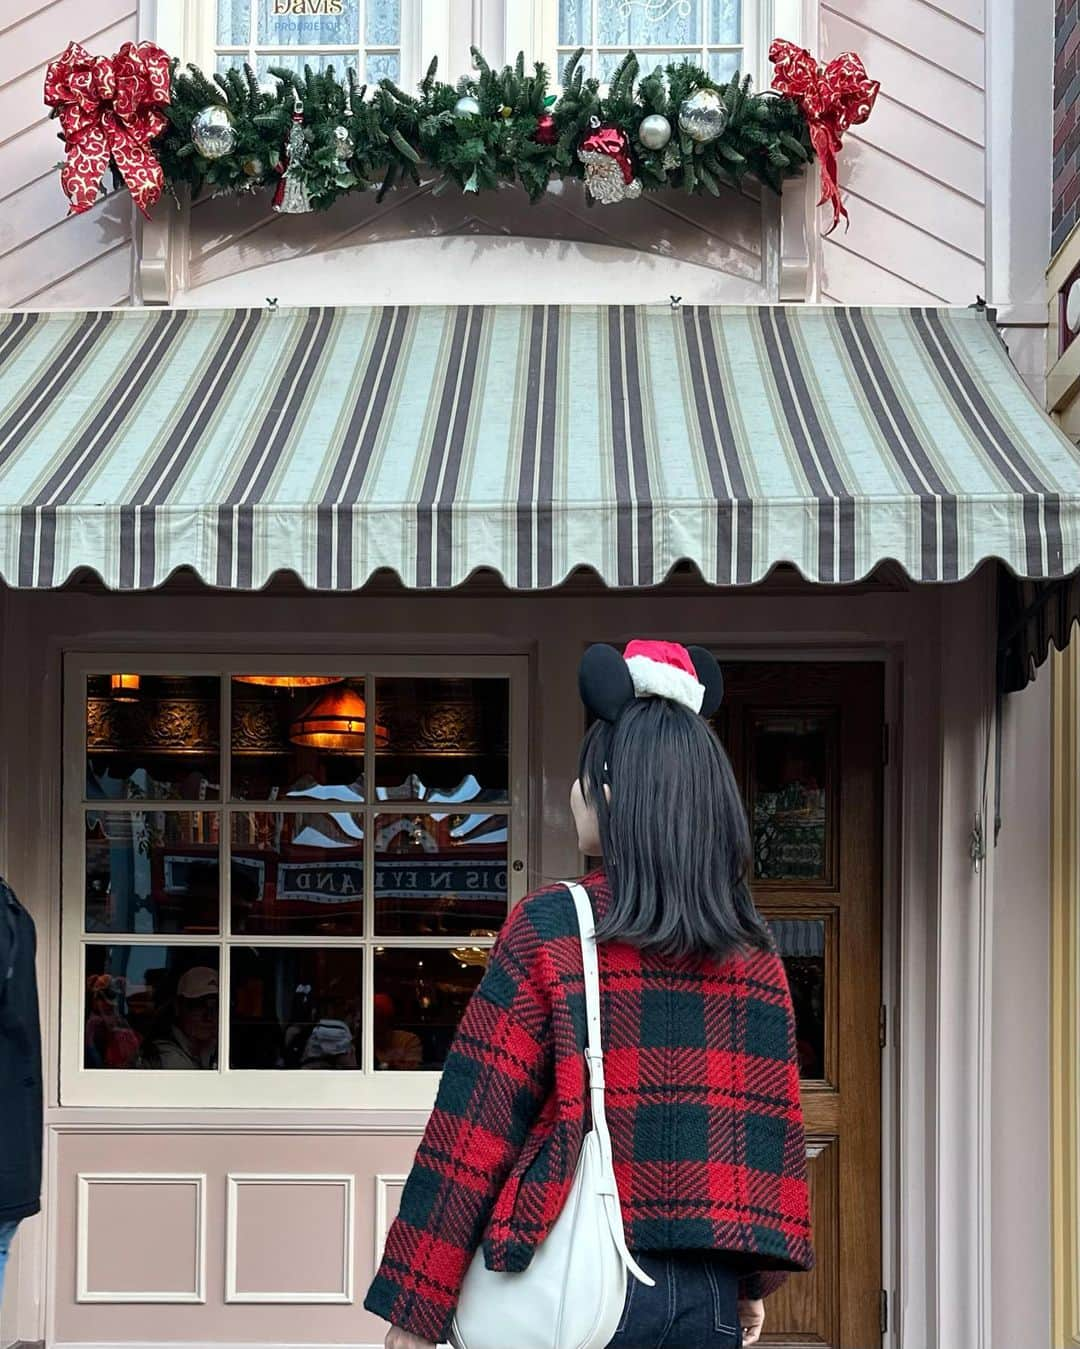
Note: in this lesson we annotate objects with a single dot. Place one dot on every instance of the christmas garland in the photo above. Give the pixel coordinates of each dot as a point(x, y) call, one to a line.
point(314, 138)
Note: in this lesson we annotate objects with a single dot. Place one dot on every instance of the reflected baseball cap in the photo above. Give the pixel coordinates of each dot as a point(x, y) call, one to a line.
point(198, 982)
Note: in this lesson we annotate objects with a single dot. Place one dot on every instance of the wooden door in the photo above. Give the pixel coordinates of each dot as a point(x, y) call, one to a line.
point(807, 745)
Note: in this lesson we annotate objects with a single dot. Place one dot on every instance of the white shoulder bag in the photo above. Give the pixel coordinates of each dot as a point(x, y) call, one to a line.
point(571, 1296)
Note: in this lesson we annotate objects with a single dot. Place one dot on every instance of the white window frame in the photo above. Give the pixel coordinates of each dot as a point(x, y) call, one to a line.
point(189, 29)
point(532, 26)
point(257, 1088)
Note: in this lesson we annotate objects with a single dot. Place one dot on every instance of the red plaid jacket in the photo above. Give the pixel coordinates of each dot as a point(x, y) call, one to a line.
point(702, 1103)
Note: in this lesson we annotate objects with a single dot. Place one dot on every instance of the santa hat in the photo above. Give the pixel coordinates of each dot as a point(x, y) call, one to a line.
point(689, 676)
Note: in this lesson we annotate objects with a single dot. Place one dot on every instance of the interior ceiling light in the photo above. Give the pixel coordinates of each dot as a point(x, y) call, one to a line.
point(289, 681)
point(337, 719)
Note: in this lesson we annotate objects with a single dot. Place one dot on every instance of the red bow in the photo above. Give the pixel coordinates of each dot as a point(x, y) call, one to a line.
point(609, 140)
point(110, 109)
point(832, 99)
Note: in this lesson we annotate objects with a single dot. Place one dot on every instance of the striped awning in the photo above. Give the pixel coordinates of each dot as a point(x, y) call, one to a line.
point(532, 441)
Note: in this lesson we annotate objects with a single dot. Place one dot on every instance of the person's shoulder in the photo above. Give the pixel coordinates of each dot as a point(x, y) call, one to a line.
point(544, 915)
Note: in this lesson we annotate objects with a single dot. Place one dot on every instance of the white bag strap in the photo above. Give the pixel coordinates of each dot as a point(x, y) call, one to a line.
point(594, 1057)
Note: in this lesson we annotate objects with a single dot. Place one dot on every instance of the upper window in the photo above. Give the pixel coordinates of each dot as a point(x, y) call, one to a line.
point(709, 32)
point(275, 870)
point(363, 34)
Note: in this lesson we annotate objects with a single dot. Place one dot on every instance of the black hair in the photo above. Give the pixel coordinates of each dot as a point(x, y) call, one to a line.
point(674, 834)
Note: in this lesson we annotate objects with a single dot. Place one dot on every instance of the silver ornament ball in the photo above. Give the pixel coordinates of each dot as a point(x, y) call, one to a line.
point(654, 132)
point(466, 106)
point(343, 143)
point(212, 132)
point(703, 115)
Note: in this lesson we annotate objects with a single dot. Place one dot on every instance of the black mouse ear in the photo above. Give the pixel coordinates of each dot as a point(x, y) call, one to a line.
point(708, 673)
point(604, 681)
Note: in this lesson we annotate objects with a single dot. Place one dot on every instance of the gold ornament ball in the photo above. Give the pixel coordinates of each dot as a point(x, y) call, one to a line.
point(212, 132)
point(654, 132)
point(466, 106)
point(703, 115)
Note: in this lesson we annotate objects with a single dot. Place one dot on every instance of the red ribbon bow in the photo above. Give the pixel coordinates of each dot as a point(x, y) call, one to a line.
point(110, 109)
point(609, 140)
point(832, 98)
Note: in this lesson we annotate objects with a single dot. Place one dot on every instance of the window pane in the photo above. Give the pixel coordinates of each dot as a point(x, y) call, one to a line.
point(443, 740)
point(649, 23)
point(300, 874)
point(789, 790)
point(725, 22)
point(151, 1007)
point(316, 60)
point(383, 23)
point(649, 61)
point(291, 23)
point(295, 1008)
point(575, 23)
point(440, 875)
point(152, 871)
point(152, 737)
point(383, 66)
point(801, 942)
point(298, 742)
point(419, 999)
point(724, 66)
point(233, 23)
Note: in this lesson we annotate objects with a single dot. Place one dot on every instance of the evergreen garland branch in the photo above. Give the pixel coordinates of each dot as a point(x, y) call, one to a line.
point(357, 139)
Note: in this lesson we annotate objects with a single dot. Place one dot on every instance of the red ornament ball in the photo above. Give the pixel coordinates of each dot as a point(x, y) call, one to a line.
point(546, 132)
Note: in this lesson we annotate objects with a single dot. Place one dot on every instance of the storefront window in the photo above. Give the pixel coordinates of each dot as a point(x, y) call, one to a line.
point(362, 34)
point(246, 906)
point(709, 32)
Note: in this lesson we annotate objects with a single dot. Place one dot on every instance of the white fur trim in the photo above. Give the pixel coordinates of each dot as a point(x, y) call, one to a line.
point(655, 679)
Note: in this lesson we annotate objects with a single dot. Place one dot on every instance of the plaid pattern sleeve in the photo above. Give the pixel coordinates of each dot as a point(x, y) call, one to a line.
point(496, 1078)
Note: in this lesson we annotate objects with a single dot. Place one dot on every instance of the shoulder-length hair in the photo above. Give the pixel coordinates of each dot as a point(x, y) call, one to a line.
point(674, 834)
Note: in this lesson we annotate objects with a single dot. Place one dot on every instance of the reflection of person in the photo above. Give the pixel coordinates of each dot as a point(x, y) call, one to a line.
point(694, 997)
point(190, 1038)
point(394, 1048)
point(330, 1045)
point(20, 1073)
point(110, 1040)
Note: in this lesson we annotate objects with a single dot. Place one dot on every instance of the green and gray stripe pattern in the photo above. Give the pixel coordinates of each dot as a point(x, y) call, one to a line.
point(435, 442)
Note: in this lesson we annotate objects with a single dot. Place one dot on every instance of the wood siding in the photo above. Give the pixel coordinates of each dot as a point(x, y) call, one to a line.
point(48, 259)
point(914, 175)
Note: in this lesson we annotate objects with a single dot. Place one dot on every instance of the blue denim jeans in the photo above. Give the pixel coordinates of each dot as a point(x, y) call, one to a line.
point(7, 1231)
point(693, 1306)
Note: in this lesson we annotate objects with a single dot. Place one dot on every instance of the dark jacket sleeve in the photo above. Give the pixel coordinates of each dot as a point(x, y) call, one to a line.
point(496, 1078)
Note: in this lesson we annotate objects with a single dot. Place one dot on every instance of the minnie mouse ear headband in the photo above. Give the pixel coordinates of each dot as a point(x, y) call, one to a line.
point(688, 675)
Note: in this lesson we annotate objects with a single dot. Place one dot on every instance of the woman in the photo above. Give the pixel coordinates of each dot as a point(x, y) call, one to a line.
point(698, 1035)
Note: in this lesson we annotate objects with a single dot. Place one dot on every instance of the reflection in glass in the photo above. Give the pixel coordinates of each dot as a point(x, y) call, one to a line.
point(447, 740)
point(152, 871)
point(420, 996)
point(158, 743)
point(151, 1007)
point(438, 875)
point(286, 23)
point(267, 763)
point(801, 943)
point(298, 873)
point(295, 1008)
point(790, 764)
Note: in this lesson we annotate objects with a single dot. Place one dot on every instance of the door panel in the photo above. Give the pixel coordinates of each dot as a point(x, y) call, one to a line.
point(805, 741)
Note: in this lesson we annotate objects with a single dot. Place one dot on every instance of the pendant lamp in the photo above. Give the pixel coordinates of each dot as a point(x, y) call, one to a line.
point(336, 720)
point(124, 688)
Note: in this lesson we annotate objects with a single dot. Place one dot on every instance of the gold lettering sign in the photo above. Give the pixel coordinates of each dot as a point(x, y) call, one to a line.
point(316, 7)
